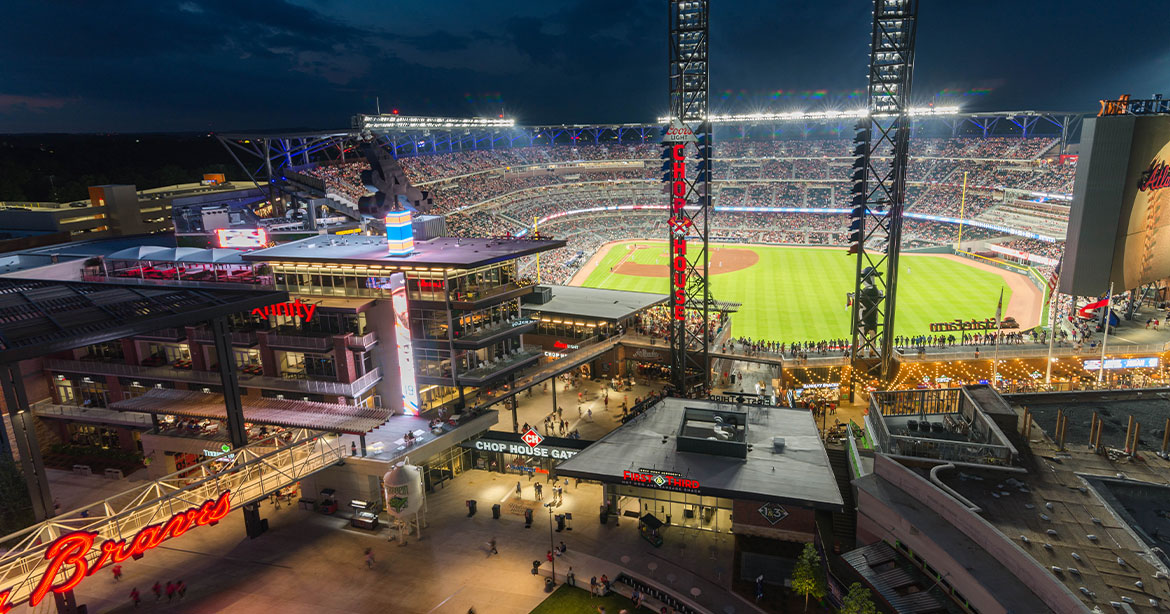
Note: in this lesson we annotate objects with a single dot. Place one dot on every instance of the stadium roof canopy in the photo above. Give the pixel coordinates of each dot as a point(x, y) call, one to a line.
point(39, 317)
point(595, 302)
point(448, 252)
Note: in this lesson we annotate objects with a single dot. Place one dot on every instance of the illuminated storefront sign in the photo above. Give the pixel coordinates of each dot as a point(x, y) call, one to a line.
point(406, 376)
point(1149, 362)
point(530, 444)
point(679, 224)
point(295, 309)
point(69, 555)
point(561, 345)
point(241, 237)
point(221, 454)
point(665, 480)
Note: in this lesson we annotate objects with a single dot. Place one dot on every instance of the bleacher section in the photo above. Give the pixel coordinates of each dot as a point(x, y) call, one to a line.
point(592, 194)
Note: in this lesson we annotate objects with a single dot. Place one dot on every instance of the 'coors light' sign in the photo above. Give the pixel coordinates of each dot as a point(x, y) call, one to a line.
point(69, 554)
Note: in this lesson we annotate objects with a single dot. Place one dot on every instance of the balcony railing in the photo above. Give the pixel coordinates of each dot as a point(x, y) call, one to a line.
point(90, 414)
point(298, 342)
point(490, 368)
point(363, 341)
point(203, 335)
point(483, 334)
point(166, 334)
point(209, 378)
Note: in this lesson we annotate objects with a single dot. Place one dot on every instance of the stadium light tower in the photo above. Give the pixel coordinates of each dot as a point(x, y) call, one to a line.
point(687, 136)
point(879, 189)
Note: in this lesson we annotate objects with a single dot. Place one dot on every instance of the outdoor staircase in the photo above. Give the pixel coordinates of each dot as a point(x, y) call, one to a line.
point(845, 523)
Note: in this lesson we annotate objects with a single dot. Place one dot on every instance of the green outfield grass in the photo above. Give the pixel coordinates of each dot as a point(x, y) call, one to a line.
point(799, 294)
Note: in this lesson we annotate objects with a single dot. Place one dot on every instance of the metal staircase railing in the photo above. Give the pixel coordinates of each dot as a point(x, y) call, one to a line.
point(249, 474)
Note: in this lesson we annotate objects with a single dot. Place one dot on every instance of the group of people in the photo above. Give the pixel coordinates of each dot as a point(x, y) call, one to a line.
point(173, 590)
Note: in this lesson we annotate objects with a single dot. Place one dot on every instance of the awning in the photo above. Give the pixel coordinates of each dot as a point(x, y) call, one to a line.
point(331, 417)
point(141, 252)
point(651, 521)
point(216, 255)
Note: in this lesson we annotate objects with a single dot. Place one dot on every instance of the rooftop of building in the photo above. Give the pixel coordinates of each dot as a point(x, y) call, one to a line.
point(596, 303)
point(967, 552)
point(949, 425)
point(1096, 521)
point(798, 474)
point(445, 252)
point(39, 317)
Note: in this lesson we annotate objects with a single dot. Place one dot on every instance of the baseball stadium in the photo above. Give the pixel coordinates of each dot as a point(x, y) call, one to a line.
point(878, 355)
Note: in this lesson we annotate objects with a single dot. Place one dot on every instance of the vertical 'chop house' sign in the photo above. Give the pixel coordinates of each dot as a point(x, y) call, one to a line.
point(679, 223)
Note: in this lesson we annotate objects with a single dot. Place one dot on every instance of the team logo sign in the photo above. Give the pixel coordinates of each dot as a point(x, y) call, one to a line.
point(773, 512)
point(532, 438)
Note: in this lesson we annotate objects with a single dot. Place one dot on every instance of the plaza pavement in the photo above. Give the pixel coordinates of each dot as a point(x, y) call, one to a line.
point(311, 563)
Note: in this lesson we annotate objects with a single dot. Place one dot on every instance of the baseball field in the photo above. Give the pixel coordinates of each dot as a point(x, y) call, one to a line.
point(799, 293)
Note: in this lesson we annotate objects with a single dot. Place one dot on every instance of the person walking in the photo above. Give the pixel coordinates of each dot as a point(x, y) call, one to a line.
point(369, 558)
point(492, 546)
point(537, 487)
point(181, 589)
point(117, 573)
point(170, 591)
point(157, 590)
point(519, 493)
point(135, 596)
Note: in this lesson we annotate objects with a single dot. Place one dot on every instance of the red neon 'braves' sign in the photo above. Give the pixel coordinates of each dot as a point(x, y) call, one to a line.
point(678, 229)
point(1156, 177)
point(69, 551)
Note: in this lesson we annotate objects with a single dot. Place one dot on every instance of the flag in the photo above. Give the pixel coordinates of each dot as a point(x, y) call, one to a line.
point(999, 311)
point(1054, 276)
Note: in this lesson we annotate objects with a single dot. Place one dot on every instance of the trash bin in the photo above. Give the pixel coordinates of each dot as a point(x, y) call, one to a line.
point(470, 508)
point(560, 522)
point(496, 511)
point(604, 514)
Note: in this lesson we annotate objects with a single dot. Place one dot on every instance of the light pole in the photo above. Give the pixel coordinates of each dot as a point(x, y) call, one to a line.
point(551, 547)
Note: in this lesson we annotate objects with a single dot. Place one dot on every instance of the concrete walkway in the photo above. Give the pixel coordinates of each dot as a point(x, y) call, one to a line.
point(312, 563)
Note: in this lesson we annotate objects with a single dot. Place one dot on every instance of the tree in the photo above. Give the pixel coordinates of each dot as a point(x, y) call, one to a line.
point(807, 577)
point(16, 510)
point(858, 601)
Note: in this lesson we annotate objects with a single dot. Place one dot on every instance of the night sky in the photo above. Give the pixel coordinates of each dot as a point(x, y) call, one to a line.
point(213, 65)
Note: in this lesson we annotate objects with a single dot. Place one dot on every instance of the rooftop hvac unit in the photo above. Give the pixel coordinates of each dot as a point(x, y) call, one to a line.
point(777, 444)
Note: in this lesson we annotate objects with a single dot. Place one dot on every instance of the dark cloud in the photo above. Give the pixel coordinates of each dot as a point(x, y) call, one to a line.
point(220, 65)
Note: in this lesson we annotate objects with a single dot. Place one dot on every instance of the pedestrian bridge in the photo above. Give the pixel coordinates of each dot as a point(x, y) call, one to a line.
point(143, 517)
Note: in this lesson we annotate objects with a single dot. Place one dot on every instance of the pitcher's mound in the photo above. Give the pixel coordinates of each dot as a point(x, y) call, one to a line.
point(721, 260)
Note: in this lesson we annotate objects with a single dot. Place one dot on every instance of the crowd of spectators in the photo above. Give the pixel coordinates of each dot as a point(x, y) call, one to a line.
point(1036, 247)
point(344, 177)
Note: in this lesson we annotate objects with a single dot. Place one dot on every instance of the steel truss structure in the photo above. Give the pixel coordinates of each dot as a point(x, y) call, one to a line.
point(879, 187)
point(249, 473)
point(688, 136)
point(264, 156)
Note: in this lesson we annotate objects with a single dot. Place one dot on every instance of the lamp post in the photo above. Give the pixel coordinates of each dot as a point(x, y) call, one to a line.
point(551, 547)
